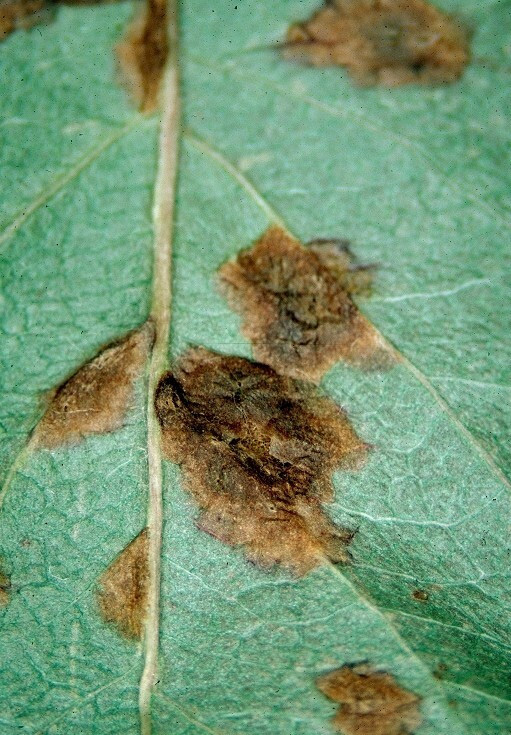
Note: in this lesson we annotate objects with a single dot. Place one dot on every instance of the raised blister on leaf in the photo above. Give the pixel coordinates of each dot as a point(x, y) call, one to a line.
point(95, 399)
point(258, 450)
point(123, 587)
point(389, 42)
point(372, 702)
point(297, 308)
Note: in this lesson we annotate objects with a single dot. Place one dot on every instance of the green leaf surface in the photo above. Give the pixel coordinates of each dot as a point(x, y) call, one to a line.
point(418, 179)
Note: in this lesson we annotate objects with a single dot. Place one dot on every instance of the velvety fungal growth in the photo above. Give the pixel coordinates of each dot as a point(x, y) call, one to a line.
point(143, 52)
point(372, 703)
point(96, 398)
point(297, 308)
point(388, 42)
point(257, 451)
point(122, 593)
point(24, 14)
point(21, 14)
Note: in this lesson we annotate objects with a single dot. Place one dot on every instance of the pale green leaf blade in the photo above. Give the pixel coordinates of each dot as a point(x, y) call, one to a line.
point(76, 257)
point(417, 179)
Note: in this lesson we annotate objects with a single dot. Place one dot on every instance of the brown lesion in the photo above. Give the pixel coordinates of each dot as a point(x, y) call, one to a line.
point(143, 52)
point(388, 42)
point(123, 588)
point(421, 595)
point(297, 306)
point(257, 451)
point(24, 14)
point(371, 702)
point(5, 589)
point(141, 55)
point(440, 671)
point(96, 398)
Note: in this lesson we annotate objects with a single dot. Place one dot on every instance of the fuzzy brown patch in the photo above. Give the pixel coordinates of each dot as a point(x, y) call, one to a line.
point(372, 703)
point(257, 450)
point(22, 14)
point(5, 586)
point(122, 594)
point(297, 308)
point(96, 398)
point(388, 42)
point(143, 52)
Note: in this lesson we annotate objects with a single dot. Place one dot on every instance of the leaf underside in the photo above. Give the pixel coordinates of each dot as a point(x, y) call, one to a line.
point(416, 179)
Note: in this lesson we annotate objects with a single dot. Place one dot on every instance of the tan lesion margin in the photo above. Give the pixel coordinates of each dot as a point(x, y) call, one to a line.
point(217, 157)
point(163, 215)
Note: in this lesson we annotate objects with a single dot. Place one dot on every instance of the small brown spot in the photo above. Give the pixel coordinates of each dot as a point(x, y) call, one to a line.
point(420, 595)
point(372, 703)
point(257, 451)
point(5, 586)
point(122, 593)
point(143, 52)
point(440, 671)
point(95, 399)
point(388, 42)
point(297, 307)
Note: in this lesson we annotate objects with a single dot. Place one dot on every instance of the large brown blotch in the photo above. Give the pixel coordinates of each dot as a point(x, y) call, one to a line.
point(257, 450)
point(143, 52)
point(123, 588)
point(297, 307)
point(95, 399)
point(389, 42)
point(372, 703)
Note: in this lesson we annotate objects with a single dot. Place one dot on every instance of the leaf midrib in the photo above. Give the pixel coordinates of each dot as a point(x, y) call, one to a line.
point(48, 192)
point(158, 360)
point(163, 217)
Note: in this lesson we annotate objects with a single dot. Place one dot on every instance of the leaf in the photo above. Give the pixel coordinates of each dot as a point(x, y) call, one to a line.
point(416, 179)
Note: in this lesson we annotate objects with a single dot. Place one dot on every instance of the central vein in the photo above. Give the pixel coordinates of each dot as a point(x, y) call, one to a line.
point(163, 216)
